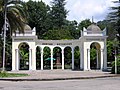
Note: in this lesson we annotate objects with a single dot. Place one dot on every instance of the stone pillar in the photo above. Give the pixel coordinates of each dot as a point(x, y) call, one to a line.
point(105, 56)
point(102, 54)
point(17, 59)
point(30, 59)
point(42, 59)
point(51, 58)
point(88, 59)
point(63, 58)
point(73, 58)
point(97, 59)
point(81, 59)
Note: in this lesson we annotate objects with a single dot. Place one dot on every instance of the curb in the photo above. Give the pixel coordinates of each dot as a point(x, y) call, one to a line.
point(55, 79)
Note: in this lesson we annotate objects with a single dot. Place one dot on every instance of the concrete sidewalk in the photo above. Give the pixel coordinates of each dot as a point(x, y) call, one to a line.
point(47, 75)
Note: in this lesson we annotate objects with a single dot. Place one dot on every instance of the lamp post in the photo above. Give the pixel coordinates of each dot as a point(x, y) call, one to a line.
point(4, 38)
point(115, 46)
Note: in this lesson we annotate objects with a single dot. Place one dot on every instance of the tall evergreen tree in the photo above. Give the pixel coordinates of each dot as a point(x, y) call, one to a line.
point(58, 13)
point(114, 16)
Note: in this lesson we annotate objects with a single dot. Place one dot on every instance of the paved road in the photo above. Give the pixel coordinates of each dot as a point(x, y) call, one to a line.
point(111, 83)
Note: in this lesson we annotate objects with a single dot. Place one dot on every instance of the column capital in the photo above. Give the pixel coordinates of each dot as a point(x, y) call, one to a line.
point(101, 50)
point(88, 50)
point(16, 49)
point(30, 49)
point(72, 48)
point(62, 51)
point(41, 51)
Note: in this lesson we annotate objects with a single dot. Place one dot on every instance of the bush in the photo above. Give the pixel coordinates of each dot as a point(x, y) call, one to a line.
point(113, 70)
point(118, 66)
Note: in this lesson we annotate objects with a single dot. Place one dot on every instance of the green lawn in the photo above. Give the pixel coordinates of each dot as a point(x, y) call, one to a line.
point(5, 74)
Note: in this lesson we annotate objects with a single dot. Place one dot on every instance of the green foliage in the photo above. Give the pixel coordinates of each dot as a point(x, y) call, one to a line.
point(85, 23)
point(5, 74)
point(24, 56)
point(77, 57)
point(92, 54)
point(109, 48)
point(58, 13)
point(102, 24)
point(57, 34)
point(118, 66)
point(46, 52)
point(15, 15)
point(73, 28)
point(114, 16)
point(118, 62)
point(38, 16)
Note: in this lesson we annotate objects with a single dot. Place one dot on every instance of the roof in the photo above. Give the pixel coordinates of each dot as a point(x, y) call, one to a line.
point(93, 28)
point(27, 28)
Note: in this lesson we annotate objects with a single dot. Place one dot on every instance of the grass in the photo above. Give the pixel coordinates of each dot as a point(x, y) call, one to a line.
point(5, 74)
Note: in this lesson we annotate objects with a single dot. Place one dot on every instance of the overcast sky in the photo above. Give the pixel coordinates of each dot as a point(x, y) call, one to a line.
point(85, 9)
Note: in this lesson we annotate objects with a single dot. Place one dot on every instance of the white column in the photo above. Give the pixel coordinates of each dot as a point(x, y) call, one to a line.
point(30, 59)
point(51, 58)
point(97, 59)
point(81, 59)
point(17, 59)
point(42, 59)
point(88, 59)
point(33, 58)
point(63, 58)
point(72, 58)
point(101, 59)
point(105, 56)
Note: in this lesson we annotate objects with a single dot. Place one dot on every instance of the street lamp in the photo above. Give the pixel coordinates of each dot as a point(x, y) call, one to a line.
point(115, 46)
point(5, 27)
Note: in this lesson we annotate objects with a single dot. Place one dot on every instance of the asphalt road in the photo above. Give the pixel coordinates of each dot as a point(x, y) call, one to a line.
point(112, 83)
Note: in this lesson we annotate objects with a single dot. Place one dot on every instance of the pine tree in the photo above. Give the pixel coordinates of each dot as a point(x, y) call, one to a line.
point(58, 13)
point(114, 16)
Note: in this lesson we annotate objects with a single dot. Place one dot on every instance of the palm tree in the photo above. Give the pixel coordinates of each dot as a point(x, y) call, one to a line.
point(16, 16)
point(13, 15)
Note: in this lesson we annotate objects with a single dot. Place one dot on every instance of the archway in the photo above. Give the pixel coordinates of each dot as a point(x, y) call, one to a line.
point(68, 57)
point(76, 58)
point(38, 58)
point(46, 58)
point(57, 58)
point(24, 56)
point(95, 59)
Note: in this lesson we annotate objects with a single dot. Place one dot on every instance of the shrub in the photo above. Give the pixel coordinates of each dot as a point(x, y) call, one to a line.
point(118, 66)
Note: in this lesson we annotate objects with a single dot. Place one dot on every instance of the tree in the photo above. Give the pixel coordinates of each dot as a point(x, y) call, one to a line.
point(114, 16)
point(109, 27)
point(38, 16)
point(85, 23)
point(57, 34)
point(72, 26)
point(15, 20)
point(15, 15)
point(58, 13)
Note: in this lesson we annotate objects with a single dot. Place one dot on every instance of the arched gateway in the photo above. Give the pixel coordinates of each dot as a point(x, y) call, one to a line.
point(89, 36)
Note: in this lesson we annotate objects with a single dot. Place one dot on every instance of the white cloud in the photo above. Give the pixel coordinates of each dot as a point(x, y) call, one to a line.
point(85, 9)
point(82, 9)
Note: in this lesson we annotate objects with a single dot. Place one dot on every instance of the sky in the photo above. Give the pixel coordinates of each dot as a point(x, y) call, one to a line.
point(86, 9)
